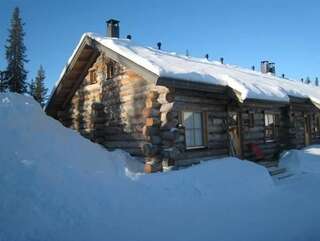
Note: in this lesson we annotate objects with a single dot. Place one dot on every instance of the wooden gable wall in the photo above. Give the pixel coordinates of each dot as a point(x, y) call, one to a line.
point(108, 109)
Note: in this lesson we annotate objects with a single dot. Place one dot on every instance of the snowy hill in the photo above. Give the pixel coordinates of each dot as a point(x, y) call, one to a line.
point(56, 185)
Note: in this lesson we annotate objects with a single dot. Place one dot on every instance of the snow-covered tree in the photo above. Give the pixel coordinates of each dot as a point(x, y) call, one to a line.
point(16, 55)
point(37, 87)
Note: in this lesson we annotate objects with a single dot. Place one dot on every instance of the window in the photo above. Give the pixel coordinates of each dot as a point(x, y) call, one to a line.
point(92, 76)
point(193, 123)
point(110, 70)
point(251, 119)
point(233, 119)
point(317, 125)
point(271, 126)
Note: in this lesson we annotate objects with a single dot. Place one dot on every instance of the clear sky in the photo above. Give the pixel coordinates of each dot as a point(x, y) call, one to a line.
point(243, 32)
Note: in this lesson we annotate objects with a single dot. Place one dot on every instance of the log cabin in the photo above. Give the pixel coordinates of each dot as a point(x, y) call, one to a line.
point(173, 110)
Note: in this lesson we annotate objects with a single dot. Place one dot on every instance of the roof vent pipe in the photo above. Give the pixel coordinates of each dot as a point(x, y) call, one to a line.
point(113, 27)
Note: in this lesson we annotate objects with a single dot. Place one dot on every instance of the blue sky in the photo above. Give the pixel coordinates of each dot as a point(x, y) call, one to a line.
point(243, 32)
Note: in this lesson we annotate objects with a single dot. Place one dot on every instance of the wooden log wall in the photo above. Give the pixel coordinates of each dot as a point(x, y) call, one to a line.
point(214, 109)
point(254, 133)
point(85, 112)
point(298, 111)
point(109, 111)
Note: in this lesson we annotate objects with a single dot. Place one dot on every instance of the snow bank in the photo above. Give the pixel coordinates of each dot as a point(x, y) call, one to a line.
point(296, 161)
point(56, 185)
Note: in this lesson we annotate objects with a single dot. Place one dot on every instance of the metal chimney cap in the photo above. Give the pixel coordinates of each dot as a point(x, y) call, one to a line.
point(112, 21)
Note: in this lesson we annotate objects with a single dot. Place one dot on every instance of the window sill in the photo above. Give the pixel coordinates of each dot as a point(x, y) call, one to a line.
point(195, 148)
point(270, 141)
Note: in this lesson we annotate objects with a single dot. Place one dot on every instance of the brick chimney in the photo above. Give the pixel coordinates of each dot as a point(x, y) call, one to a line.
point(268, 67)
point(113, 27)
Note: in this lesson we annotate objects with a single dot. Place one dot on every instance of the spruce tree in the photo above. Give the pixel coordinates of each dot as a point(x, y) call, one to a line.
point(16, 55)
point(31, 87)
point(38, 88)
point(3, 81)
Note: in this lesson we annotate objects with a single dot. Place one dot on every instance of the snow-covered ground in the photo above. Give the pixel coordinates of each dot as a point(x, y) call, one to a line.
point(56, 185)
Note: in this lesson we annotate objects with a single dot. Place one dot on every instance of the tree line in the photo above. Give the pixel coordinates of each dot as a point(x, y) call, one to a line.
point(14, 78)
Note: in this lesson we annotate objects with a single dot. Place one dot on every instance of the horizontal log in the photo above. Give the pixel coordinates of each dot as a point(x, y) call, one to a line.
point(150, 131)
point(166, 98)
point(166, 107)
point(153, 160)
point(185, 106)
point(152, 121)
point(203, 153)
point(155, 140)
point(152, 104)
point(124, 144)
point(169, 125)
point(170, 135)
point(150, 168)
point(169, 116)
point(153, 95)
point(150, 150)
point(151, 112)
point(199, 100)
point(170, 153)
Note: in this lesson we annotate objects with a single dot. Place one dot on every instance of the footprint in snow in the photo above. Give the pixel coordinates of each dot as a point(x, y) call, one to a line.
point(27, 162)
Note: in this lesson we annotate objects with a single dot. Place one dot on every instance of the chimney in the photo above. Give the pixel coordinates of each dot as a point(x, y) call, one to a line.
point(113, 28)
point(268, 67)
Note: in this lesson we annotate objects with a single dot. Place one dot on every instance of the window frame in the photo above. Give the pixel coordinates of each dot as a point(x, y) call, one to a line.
point(92, 76)
point(273, 127)
point(251, 119)
point(317, 125)
point(110, 70)
point(202, 129)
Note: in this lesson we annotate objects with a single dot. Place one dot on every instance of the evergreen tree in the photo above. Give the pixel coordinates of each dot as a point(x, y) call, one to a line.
point(31, 87)
point(16, 55)
point(38, 89)
point(3, 81)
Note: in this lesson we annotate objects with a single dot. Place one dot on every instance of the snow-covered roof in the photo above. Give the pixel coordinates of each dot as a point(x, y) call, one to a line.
point(248, 83)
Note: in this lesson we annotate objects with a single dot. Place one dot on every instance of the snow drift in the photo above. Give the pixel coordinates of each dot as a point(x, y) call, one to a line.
point(298, 162)
point(56, 185)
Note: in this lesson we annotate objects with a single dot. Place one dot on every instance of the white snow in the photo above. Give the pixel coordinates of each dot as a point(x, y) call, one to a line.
point(56, 185)
point(296, 161)
point(250, 84)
